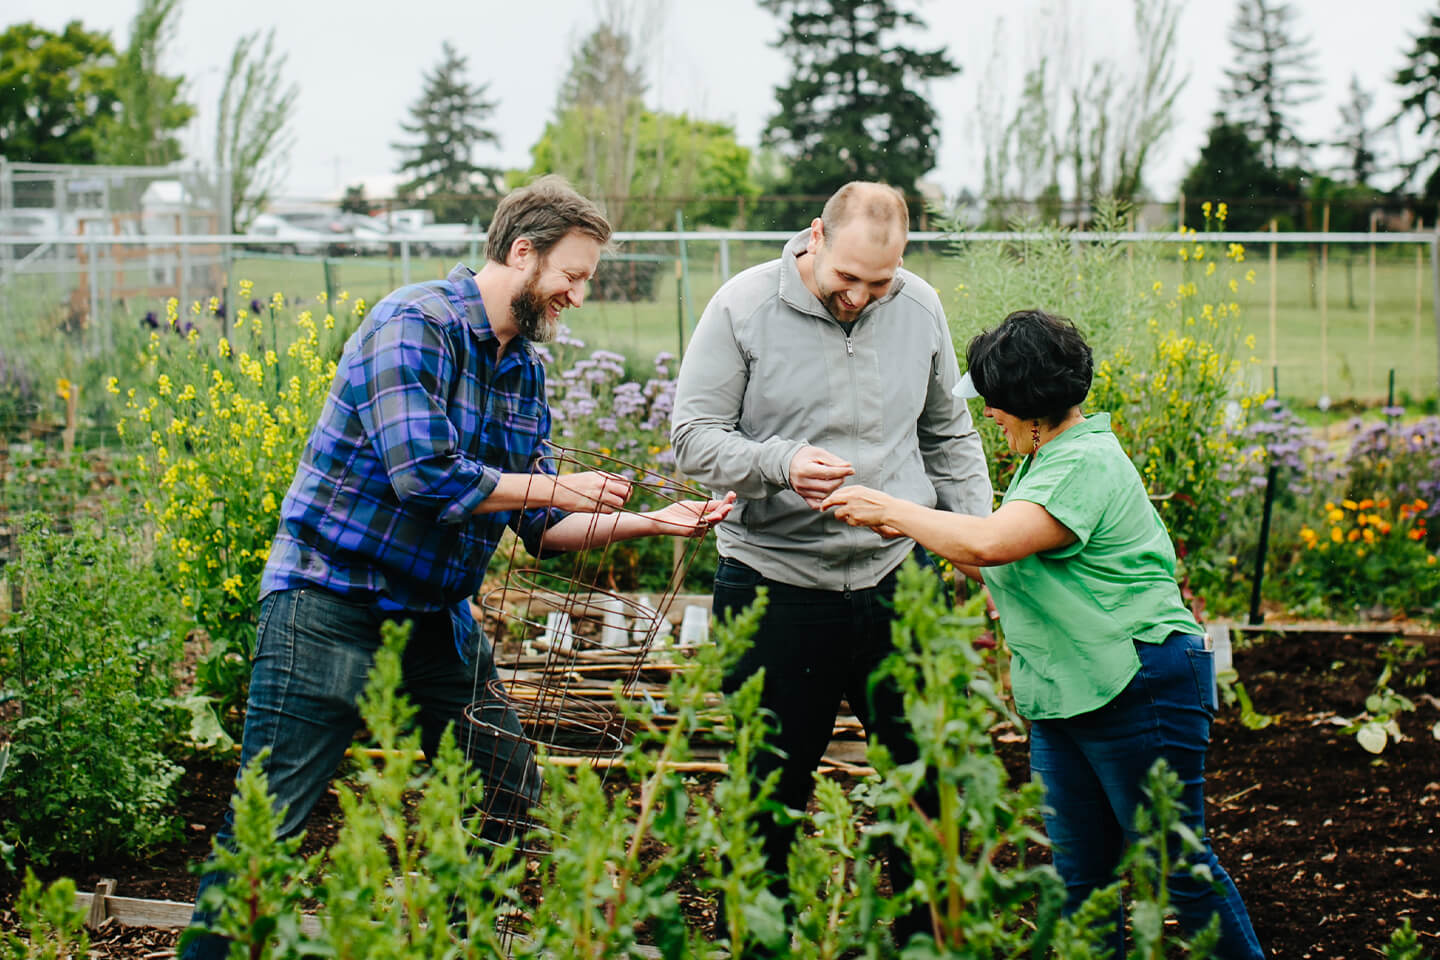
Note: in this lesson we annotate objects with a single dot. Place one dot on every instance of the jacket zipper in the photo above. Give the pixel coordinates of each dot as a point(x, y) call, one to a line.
point(850, 352)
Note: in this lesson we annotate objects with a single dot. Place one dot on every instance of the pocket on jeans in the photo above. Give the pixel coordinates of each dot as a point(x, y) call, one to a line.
point(734, 575)
point(1202, 666)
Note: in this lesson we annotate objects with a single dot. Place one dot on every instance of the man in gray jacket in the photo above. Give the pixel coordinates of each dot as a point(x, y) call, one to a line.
point(828, 364)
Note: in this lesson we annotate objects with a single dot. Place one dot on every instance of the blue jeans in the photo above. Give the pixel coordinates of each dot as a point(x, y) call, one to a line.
point(817, 648)
point(313, 657)
point(1094, 765)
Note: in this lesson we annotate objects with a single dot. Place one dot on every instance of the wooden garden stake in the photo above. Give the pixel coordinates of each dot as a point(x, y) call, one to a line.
point(1274, 296)
point(1419, 298)
point(1324, 308)
point(1370, 361)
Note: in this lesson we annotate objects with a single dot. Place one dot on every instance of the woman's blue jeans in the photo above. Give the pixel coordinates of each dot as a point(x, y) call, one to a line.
point(313, 657)
point(1094, 766)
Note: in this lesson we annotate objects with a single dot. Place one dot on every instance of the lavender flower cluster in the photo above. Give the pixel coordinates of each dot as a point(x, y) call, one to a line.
point(1304, 464)
point(593, 406)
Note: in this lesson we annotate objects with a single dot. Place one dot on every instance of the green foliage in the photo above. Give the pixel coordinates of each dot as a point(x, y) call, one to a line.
point(447, 124)
point(56, 89)
point(150, 105)
point(252, 138)
point(89, 660)
point(1167, 358)
point(854, 107)
point(1363, 555)
point(1163, 850)
point(1232, 165)
point(1404, 944)
point(670, 158)
point(50, 924)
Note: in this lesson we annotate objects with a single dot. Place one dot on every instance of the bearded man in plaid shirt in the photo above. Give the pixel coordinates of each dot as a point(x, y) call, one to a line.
point(431, 443)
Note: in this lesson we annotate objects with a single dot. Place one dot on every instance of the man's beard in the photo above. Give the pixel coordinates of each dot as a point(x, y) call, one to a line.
point(832, 303)
point(530, 313)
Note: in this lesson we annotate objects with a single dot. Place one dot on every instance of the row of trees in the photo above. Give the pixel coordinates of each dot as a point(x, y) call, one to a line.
point(1256, 150)
point(855, 105)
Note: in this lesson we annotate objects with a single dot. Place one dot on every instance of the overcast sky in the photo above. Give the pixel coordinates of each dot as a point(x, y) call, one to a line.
point(359, 66)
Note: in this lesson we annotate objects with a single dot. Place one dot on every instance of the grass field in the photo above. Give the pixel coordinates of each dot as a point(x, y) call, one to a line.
point(1345, 361)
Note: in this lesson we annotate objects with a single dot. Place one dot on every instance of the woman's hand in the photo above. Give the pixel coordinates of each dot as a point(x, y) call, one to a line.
point(691, 518)
point(862, 507)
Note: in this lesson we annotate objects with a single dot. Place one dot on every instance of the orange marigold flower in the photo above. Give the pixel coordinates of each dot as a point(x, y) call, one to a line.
point(1366, 504)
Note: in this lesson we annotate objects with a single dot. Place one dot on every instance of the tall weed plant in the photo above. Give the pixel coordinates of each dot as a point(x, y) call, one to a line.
point(90, 659)
point(217, 426)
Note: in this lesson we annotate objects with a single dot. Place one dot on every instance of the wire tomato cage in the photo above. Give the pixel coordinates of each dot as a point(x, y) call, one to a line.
point(564, 629)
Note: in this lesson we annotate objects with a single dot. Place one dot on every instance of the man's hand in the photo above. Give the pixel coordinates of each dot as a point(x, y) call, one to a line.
point(816, 473)
point(594, 491)
point(691, 518)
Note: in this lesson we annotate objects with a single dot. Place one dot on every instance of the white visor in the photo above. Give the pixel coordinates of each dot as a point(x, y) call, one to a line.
point(965, 389)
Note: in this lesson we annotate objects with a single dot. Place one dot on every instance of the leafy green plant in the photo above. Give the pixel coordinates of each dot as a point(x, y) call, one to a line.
point(89, 658)
point(50, 926)
point(1379, 724)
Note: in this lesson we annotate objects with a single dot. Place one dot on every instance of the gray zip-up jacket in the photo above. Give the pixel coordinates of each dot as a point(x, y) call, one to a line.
point(770, 371)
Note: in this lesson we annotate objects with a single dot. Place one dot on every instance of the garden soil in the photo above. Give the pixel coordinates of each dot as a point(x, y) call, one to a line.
point(1332, 847)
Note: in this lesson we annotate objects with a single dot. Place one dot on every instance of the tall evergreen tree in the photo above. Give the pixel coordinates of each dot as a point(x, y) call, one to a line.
point(150, 105)
point(1356, 135)
point(447, 121)
point(1419, 83)
point(855, 105)
point(1273, 76)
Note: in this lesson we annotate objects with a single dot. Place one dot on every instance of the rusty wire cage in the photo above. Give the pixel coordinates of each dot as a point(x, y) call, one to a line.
point(561, 640)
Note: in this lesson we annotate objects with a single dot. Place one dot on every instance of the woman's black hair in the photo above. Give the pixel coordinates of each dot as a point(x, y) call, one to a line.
point(1033, 366)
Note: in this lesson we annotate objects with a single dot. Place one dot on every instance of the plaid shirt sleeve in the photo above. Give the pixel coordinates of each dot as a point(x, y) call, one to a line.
point(404, 375)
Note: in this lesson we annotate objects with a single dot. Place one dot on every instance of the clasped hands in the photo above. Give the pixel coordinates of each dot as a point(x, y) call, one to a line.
point(818, 476)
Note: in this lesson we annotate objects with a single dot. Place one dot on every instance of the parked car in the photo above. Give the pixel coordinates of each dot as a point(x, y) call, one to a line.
point(285, 236)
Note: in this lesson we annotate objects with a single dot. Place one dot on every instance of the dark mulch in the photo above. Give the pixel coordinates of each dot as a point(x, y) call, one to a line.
point(1331, 846)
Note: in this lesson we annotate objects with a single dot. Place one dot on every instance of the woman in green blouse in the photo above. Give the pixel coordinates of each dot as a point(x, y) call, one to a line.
point(1107, 663)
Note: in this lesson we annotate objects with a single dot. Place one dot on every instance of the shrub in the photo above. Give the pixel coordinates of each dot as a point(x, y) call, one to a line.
point(89, 658)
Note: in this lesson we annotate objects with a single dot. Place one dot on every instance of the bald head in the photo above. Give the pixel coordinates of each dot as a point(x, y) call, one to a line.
point(878, 206)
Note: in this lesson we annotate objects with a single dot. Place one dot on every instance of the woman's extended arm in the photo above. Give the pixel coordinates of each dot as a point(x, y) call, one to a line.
point(1017, 530)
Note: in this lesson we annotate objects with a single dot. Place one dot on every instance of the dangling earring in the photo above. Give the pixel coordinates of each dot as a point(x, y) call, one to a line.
point(1034, 435)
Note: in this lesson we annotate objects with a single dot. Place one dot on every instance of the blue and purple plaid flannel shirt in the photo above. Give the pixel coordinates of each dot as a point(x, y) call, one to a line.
point(420, 423)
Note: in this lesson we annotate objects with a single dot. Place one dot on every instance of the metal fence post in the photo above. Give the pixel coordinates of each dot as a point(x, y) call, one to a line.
point(405, 263)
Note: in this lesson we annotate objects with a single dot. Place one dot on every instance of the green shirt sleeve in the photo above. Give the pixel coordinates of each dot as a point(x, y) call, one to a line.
point(1065, 484)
